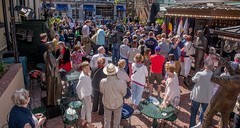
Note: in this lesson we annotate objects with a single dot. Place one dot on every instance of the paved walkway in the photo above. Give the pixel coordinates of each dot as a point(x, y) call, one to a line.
point(143, 121)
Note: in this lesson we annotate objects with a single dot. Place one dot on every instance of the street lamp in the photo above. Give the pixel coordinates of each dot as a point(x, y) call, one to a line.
point(13, 31)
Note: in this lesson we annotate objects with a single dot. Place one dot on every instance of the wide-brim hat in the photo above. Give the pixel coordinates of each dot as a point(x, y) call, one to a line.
point(110, 69)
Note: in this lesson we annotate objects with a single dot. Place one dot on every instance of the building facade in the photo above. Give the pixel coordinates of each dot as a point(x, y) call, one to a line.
point(86, 9)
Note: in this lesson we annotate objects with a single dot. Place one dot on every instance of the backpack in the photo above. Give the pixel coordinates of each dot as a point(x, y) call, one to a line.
point(142, 50)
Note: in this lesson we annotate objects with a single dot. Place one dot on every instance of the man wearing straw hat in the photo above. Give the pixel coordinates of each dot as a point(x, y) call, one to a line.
point(113, 91)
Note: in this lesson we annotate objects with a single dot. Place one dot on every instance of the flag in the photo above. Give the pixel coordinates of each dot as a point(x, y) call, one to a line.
point(163, 26)
point(175, 22)
point(180, 27)
point(185, 27)
point(170, 27)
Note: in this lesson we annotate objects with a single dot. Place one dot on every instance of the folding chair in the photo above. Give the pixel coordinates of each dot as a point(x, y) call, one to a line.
point(127, 112)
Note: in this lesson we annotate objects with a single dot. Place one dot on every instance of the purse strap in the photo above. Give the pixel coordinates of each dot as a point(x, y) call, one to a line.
point(96, 72)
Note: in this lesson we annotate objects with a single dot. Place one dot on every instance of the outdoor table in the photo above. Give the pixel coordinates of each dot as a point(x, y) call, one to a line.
point(150, 110)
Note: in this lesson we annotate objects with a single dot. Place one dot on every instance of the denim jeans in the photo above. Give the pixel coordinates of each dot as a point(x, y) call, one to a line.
point(115, 52)
point(194, 110)
point(236, 123)
point(137, 91)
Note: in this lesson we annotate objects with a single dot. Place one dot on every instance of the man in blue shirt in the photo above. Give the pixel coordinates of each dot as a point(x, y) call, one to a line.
point(175, 50)
point(101, 35)
point(151, 42)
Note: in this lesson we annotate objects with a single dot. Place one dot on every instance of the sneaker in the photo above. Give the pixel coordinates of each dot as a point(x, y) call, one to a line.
point(136, 112)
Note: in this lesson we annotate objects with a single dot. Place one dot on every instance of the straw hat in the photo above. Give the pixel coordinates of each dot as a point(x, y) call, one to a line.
point(110, 69)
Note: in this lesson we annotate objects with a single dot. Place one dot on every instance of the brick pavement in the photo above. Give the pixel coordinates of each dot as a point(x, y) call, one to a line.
point(143, 121)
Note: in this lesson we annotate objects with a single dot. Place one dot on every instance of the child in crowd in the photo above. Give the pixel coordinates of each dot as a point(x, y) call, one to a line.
point(76, 57)
point(121, 74)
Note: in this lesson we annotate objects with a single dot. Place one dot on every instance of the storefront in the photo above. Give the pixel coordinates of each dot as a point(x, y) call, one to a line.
point(89, 11)
point(120, 11)
point(105, 10)
point(230, 41)
point(209, 17)
point(61, 9)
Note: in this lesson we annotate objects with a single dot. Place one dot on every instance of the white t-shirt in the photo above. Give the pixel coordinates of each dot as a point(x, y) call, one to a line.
point(84, 86)
point(172, 88)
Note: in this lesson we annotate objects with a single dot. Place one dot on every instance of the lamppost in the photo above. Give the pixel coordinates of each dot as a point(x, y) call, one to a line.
point(76, 4)
point(13, 32)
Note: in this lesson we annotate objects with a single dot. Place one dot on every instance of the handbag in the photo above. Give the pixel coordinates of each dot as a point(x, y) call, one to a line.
point(188, 82)
point(94, 38)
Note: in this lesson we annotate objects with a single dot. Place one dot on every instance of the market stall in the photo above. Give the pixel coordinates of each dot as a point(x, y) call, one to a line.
point(230, 41)
point(202, 16)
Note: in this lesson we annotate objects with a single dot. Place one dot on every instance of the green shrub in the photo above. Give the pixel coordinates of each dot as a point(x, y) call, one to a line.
point(3, 69)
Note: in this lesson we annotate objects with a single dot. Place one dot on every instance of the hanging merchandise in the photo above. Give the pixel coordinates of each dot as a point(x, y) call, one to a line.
point(227, 47)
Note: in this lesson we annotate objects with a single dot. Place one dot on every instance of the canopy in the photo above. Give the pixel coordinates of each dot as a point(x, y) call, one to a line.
point(61, 7)
point(120, 8)
point(88, 8)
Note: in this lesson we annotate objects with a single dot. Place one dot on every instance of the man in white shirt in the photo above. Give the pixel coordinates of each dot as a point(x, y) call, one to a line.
point(101, 52)
point(84, 92)
point(85, 36)
point(124, 49)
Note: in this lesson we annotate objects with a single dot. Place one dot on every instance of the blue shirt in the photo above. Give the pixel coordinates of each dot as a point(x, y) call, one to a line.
point(101, 37)
point(181, 44)
point(20, 116)
point(176, 52)
point(151, 43)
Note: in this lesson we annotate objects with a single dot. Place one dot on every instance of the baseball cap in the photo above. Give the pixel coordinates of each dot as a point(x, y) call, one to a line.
point(157, 48)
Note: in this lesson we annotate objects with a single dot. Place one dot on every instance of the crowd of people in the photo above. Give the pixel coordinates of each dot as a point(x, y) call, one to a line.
point(141, 57)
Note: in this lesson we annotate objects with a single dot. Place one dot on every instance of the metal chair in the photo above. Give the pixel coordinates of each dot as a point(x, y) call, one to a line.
point(6, 125)
point(127, 112)
point(176, 104)
point(66, 121)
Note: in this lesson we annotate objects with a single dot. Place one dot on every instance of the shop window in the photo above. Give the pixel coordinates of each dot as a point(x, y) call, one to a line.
point(75, 13)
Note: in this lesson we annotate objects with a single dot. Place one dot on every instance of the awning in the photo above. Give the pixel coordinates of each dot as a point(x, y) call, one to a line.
point(47, 5)
point(88, 8)
point(62, 7)
point(120, 8)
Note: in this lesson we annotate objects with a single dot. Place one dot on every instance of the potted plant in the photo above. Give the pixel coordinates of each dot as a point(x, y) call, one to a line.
point(3, 69)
